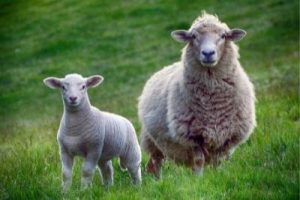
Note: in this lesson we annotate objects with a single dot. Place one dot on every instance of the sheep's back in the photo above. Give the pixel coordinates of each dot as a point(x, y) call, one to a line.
point(153, 100)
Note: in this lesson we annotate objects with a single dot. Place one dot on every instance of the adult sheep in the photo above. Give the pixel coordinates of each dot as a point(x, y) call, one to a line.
point(198, 110)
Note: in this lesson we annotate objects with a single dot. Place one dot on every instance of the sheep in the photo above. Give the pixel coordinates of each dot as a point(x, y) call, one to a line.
point(95, 135)
point(198, 110)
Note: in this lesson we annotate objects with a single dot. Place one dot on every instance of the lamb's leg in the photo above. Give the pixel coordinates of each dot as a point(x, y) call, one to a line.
point(135, 173)
point(107, 172)
point(89, 166)
point(156, 156)
point(131, 159)
point(67, 164)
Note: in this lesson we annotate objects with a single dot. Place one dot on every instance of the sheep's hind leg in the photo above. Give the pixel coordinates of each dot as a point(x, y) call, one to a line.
point(156, 156)
point(107, 172)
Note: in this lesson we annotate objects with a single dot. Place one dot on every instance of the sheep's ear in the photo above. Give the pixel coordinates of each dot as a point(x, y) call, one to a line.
point(235, 34)
point(94, 81)
point(53, 82)
point(182, 36)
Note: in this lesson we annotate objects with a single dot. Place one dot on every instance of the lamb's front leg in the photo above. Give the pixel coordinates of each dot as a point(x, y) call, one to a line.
point(67, 164)
point(88, 169)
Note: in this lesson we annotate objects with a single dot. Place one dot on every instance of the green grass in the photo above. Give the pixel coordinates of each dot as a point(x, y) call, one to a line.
point(126, 42)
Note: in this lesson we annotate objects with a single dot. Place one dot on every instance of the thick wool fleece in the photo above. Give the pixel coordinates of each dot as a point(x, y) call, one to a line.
point(186, 107)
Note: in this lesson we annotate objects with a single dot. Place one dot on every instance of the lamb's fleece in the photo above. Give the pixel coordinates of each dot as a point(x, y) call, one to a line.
point(95, 135)
point(194, 114)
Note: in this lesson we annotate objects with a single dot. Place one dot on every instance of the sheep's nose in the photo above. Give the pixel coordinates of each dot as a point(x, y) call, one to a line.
point(72, 98)
point(208, 54)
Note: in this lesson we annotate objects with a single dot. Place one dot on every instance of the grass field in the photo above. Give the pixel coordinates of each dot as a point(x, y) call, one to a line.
point(126, 42)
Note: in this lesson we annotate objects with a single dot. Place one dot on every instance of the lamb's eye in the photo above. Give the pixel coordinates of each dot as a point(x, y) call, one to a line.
point(223, 36)
point(194, 36)
point(64, 88)
point(83, 87)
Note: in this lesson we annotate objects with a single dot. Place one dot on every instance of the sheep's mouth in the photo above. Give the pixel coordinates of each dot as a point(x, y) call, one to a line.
point(208, 63)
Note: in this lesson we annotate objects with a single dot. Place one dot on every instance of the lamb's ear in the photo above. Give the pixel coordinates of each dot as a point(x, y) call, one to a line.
point(235, 34)
point(53, 82)
point(94, 81)
point(182, 36)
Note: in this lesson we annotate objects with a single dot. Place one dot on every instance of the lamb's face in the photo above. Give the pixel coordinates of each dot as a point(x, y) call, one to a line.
point(74, 90)
point(73, 87)
point(207, 38)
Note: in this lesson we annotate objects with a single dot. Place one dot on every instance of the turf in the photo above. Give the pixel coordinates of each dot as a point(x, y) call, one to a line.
point(126, 42)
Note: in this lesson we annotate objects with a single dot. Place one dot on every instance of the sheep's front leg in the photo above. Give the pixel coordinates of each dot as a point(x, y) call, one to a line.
point(89, 166)
point(107, 172)
point(198, 161)
point(154, 164)
point(67, 164)
point(156, 156)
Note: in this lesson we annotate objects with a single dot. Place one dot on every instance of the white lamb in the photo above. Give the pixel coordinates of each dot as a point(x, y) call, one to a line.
point(198, 110)
point(93, 134)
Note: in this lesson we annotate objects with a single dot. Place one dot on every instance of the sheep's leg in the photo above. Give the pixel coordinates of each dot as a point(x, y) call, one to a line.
point(154, 164)
point(107, 172)
point(67, 164)
point(198, 161)
point(89, 166)
point(156, 156)
point(228, 148)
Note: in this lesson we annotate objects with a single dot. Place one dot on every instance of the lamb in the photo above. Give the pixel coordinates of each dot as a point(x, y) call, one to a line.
point(198, 110)
point(93, 134)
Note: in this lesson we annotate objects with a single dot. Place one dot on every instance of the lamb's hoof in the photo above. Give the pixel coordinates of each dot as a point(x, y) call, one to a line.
point(153, 168)
point(66, 187)
point(137, 183)
point(107, 185)
point(65, 190)
point(85, 186)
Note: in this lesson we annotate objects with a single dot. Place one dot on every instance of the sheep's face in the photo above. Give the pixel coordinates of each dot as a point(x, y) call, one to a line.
point(73, 87)
point(208, 41)
point(208, 45)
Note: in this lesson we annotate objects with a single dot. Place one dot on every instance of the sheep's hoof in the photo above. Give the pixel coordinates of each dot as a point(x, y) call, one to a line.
point(198, 171)
point(153, 168)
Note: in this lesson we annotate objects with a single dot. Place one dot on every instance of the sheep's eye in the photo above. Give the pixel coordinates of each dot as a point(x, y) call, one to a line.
point(194, 36)
point(223, 36)
point(83, 87)
point(64, 88)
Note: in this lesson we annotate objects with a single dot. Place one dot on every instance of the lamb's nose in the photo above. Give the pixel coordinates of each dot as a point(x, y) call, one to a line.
point(72, 98)
point(208, 54)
